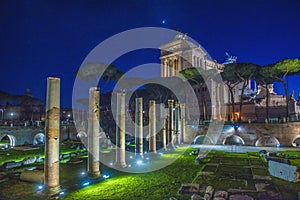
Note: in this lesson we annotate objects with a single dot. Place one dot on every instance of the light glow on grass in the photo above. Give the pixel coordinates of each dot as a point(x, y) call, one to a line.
point(105, 176)
point(85, 183)
point(40, 187)
point(139, 162)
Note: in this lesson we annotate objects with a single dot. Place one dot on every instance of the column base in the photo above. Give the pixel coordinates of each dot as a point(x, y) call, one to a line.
point(120, 164)
point(51, 191)
point(94, 175)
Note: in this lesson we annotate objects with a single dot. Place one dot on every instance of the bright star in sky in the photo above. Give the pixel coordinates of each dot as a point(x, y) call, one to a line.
point(163, 21)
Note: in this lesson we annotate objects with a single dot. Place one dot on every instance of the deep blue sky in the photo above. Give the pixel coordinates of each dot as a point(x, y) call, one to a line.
point(52, 38)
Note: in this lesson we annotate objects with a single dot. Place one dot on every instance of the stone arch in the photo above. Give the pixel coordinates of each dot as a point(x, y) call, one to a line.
point(10, 139)
point(203, 139)
point(233, 140)
point(296, 142)
point(39, 139)
point(267, 140)
point(81, 134)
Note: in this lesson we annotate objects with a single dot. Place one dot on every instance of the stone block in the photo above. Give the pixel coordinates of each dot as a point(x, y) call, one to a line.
point(196, 197)
point(34, 176)
point(209, 191)
point(9, 165)
point(221, 194)
point(189, 188)
point(207, 197)
point(240, 197)
point(284, 171)
point(28, 161)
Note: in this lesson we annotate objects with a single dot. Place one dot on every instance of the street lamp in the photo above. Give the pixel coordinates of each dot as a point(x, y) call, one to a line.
point(12, 119)
point(68, 126)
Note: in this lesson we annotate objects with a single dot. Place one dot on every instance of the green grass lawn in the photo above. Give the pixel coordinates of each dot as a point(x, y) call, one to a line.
point(19, 155)
point(160, 184)
point(230, 170)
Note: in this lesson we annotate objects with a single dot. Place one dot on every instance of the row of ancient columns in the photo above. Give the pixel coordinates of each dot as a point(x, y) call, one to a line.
point(52, 129)
point(172, 126)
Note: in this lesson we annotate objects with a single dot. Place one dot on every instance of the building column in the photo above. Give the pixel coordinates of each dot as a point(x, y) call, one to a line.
point(152, 127)
point(139, 126)
point(169, 68)
point(51, 165)
point(170, 122)
point(93, 133)
point(182, 106)
point(173, 67)
point(120, 131)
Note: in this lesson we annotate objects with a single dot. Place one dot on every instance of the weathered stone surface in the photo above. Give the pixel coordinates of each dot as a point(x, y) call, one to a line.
point(28, 161)
point(240, 197)
point(221, 194)
point(218, 198)
point(66, 156)
point(196, 197)
point(284, 171)
point(9, 165)
point(210, 191)
point(189, 188)
point(207, 197)
point(34, 176)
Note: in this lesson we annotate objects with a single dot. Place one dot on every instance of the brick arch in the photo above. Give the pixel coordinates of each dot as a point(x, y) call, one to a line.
point(202, 139)
point(267, 140)
point(233, 140)
point(39, 138)
point(296, 141)
point(12, 139)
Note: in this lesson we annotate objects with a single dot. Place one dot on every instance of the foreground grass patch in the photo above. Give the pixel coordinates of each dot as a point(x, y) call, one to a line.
point(160, 184)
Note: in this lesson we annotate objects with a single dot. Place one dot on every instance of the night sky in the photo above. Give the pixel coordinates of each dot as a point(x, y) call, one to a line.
point(51, 38)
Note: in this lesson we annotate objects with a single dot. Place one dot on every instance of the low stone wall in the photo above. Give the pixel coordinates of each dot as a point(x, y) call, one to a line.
point(285, 133)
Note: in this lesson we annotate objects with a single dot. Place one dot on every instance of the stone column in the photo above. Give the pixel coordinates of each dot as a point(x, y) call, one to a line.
point(167, 68)
point(173, 67)
point(182, 123)
point(93, 133)
point(164, 121)
point(51, 165)
point(177, 123)
point(170, 122)
point(120, 131)
point(164, 135)
point(152, 127)
point(139, 126)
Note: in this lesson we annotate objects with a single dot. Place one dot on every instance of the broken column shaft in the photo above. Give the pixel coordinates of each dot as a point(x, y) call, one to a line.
point(170, 122)
point(93, 133)
point(177, 123)
point(152, 127)
point(51, 165)
point(139, 125)
point(120, 131)
point(182, 113)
